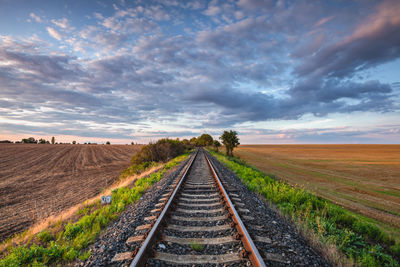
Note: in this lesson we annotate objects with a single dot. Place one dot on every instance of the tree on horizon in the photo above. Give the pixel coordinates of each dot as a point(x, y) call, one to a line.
point(230, 141)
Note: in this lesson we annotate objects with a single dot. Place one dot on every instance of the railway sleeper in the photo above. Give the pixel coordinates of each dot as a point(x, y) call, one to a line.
point(197, 259)
point(200, 241)
point(199, 211)
point(199, 228)
point(198, 219)
point(200, 200)
point(200, 195)
point(200, 205)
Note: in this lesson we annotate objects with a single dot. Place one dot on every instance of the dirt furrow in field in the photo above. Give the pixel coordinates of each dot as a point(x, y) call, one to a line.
point(40, 180)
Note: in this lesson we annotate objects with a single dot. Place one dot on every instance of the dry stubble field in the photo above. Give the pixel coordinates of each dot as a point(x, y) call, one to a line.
point(38, 180)
point(362, 178)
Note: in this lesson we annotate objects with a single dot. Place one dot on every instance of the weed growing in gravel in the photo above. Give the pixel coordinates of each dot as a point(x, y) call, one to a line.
point(70, 243)
point(358, 239)
point(196, 247)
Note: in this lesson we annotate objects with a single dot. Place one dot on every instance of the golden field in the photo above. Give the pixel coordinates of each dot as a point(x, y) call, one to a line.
point(361, 178)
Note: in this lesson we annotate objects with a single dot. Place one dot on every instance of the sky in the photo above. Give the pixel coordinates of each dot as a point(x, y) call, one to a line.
point(277, 72)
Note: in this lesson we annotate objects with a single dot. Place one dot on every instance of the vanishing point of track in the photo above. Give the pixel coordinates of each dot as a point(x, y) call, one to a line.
point(196, 222)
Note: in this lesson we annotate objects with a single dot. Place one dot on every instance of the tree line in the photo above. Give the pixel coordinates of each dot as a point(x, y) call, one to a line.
point(32, 140)
point(164, 149)
point(229, 139)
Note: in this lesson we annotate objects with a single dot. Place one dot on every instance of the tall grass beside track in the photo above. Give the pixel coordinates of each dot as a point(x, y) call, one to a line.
point(70, 241)
point(363, 243)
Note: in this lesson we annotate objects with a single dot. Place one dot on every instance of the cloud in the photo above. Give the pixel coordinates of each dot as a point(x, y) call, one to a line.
point(129, 21)
point(30, 64)
point(54, 33)
point(157, 13)
point(228, 64)
point(236, 106)
point(361, 50)
point(255, 4)
point(62, 23)
point(323, 21)
point(212, 10)
point(385, 134)
point(35, 17)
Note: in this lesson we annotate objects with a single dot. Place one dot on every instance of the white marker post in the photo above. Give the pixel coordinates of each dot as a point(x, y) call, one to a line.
point(106, 200)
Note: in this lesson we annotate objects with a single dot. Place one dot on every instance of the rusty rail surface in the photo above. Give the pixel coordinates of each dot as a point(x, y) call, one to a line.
point(250, 249)
point(142, 255)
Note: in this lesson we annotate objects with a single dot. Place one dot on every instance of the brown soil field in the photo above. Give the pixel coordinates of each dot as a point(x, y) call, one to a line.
point(39, 180)
point(362, 178)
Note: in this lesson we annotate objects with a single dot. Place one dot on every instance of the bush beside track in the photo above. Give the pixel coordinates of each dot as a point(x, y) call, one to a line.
point(153, 153)
point(362, 242)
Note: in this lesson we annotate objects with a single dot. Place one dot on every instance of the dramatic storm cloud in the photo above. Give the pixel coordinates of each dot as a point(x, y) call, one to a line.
point(276, 71)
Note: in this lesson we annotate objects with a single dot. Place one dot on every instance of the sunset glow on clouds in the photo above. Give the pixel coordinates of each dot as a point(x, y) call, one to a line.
point(276, 71)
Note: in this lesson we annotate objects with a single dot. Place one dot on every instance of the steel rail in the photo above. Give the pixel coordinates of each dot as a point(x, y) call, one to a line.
point(142, 254)
point(251, 249)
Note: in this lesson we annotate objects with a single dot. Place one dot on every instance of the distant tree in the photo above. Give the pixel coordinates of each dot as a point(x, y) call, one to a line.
point(74, 142)
point(5, 141)
point(205, 140)
point(216, 145)
point(193, 141)
point(29, 140)
point(41, 141)
point(108, 143)
point(230, 141)
point(186, 143)
point(53, 140)
point(132, 143)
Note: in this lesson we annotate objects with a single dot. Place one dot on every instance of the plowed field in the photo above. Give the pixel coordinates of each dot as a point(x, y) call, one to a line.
point(40, 180)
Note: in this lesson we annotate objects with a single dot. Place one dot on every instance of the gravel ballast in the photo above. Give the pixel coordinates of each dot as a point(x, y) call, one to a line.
point(112, 240)
point(285, 240)
point(285, 248)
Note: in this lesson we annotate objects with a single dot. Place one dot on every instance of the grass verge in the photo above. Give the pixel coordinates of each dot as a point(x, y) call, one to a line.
point(66, 242)
point(361, 241)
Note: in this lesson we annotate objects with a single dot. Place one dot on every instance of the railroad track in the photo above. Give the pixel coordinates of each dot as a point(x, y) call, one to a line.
point(196, 222)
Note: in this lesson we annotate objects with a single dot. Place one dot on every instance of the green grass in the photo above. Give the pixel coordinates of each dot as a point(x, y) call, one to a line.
point(136, 169)
point(196, 247)
point(361, 241)
point(71, 242)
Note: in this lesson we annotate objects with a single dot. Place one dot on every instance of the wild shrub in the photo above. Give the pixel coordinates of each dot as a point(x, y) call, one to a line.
point(71, 230)
point(161, 151)
point(70, 254)
point(45, 236)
